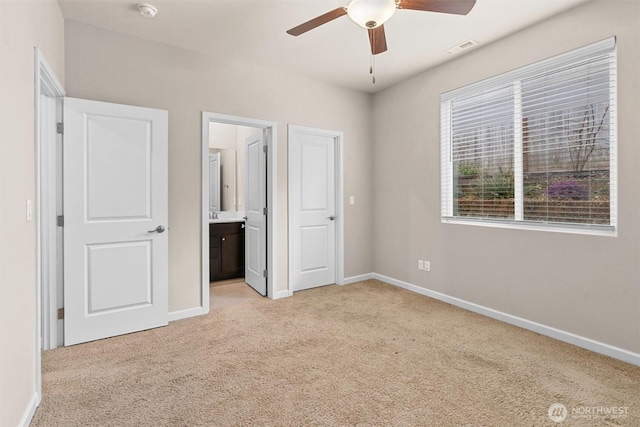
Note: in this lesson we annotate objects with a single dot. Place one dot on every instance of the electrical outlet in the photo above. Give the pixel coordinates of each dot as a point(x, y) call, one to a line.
point(420, 264)
point(427, 266)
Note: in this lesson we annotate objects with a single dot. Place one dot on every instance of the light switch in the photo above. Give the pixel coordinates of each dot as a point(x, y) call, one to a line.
point(352, 200)
point(29, 210)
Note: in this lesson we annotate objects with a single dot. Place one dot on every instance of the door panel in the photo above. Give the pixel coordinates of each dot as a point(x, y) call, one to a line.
point(312, 208)
point(314, 243)
point(113, 289)
point(112, 176)
point(256, 223)
point(252, 261)
point(115, 197)
point(314, 173)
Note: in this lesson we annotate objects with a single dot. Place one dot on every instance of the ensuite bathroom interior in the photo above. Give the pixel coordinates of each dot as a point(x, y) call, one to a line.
point(227, 238)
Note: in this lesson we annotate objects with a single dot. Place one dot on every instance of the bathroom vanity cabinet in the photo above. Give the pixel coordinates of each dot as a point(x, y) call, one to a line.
point(226, 251)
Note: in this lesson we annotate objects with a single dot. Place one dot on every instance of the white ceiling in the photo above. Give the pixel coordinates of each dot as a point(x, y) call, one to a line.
point(337, 52)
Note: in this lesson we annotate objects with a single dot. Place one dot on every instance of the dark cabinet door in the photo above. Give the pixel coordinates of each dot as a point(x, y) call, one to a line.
point(214, 253)
point(226, 251)
point(232, 254)
point(214, 264)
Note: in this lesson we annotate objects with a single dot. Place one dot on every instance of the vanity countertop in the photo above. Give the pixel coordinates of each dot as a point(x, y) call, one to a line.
point(225, 220)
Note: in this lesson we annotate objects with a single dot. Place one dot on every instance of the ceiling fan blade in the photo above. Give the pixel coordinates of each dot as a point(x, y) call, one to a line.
point(316, 22)
point(378, 40)
point(457, 7)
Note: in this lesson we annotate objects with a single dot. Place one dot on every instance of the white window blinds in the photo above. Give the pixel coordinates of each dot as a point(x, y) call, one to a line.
point(536, 145)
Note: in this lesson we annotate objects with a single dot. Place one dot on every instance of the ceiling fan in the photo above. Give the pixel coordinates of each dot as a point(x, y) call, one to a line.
point(372, 14)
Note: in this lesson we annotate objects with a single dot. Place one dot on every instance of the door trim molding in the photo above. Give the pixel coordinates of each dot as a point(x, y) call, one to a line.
point(45, 83)
point(338, 138)
point(184, 314)
point(270, 129)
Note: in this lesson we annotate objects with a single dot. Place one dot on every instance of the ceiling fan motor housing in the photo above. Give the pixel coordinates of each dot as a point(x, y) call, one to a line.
point(371, 13)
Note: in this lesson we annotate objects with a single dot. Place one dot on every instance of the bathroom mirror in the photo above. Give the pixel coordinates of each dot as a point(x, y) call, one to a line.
point(229, 142)
point(227, 186)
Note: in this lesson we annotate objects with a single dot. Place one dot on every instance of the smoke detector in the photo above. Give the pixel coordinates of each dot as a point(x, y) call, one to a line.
point(147, 10)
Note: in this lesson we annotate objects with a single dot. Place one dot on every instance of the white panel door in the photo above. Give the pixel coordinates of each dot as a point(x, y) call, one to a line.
point(116, 213)
point(214, 182)
point(312, 207)
point(256, 220)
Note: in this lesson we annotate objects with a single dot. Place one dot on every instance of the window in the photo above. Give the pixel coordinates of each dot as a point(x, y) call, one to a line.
point(535, 147)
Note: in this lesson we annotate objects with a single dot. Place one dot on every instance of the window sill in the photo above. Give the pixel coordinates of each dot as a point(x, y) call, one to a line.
point(591, 230)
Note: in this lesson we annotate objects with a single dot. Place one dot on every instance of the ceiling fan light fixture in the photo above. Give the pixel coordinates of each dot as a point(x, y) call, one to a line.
point(371, 13)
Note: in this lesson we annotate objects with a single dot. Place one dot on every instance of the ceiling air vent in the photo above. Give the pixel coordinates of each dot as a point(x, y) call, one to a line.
point(462, 46)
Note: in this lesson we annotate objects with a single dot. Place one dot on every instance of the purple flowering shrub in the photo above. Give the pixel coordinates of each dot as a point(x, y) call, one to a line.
point(567, 190)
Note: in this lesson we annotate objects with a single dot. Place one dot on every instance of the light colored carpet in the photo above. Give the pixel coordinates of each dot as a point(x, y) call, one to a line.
point(230, 292)
point(367, 354)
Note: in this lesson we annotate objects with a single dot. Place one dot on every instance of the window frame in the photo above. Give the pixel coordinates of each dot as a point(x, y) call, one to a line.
point(515, 78)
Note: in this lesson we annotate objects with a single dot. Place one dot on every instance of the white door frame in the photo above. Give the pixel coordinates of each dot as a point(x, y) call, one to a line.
point(46, 83)
point(270, 129)
point(338, 138)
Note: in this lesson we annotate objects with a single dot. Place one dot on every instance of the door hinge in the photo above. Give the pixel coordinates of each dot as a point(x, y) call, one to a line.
point(61, 313)
point(264, 211)
point(60, 128)
point(265, 274)
point(60, 221)
point(265, 148)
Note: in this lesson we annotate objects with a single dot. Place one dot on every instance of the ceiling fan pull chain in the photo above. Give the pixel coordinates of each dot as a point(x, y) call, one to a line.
point(373, 68)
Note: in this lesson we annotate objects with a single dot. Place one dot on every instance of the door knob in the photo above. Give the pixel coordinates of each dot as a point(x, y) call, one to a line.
point(332, 217)
point(158, 229)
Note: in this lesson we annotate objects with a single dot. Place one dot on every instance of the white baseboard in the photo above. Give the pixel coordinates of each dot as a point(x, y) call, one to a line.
point(30, 411)
point(358, 278)
point(183, 314)
point(568, 337)
point(282, 294)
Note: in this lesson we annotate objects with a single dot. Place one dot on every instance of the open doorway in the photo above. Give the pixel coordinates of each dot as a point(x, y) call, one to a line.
point(236, 258)
point(238, 186)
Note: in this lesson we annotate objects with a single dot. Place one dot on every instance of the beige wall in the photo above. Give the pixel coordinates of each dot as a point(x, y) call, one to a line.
point(106, 66)
point(23, 25)
point(223, 136)
point(586, 285)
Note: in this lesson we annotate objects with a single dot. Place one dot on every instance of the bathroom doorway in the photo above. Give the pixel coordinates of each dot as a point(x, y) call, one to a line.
point(238, 213)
